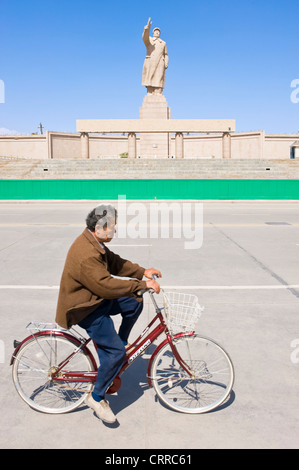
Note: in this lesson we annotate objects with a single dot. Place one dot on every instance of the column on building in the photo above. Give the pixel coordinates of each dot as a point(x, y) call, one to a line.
point(179, 145)
point(132, 152)
point(226, 145)
point(84, 145)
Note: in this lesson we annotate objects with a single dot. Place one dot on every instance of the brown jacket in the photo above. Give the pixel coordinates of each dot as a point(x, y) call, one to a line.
point(87, 279)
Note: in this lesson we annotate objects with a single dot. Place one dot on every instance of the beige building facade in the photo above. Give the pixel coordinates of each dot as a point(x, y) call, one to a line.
point(238, 145)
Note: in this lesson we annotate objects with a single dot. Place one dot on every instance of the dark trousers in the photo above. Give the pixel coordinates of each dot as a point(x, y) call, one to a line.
point(110, 345)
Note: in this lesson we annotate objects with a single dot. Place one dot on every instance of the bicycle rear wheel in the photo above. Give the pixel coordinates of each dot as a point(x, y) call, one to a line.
point(212, 375)
point(33, 365)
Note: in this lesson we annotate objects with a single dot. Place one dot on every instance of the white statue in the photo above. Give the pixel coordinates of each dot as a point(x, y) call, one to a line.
point(156, 60)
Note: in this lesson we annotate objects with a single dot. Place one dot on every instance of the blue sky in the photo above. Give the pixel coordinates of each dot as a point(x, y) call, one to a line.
point(71, 59)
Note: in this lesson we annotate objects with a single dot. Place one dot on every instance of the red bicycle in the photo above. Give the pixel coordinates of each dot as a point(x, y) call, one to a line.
point(54, 370)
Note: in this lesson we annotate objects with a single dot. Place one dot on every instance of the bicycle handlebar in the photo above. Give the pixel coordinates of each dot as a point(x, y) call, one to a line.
point(143, 291)
point(150, 290)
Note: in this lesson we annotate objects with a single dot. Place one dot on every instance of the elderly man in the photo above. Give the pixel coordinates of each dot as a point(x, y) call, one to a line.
point(156, 61)
point(90, 294)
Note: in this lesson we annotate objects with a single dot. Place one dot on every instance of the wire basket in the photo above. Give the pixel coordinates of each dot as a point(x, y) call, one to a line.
point(182, 311)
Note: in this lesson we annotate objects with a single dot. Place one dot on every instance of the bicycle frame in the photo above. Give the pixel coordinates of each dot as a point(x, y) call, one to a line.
point(138, 347)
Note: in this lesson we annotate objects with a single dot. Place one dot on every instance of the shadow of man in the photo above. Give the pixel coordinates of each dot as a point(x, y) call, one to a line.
point(133, 383)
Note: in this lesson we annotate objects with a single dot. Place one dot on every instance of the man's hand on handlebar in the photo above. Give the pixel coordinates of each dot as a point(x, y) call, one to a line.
point(149, 273)
point(152, 274)
point(152, 284)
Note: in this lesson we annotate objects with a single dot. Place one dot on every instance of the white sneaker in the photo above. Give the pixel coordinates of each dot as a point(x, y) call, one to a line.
point(102, 409)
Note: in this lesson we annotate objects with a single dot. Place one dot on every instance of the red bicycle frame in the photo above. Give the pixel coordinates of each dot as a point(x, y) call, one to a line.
point(137, 348)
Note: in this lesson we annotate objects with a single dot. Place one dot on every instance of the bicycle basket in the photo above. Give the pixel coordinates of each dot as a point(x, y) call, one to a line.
point(182, 311)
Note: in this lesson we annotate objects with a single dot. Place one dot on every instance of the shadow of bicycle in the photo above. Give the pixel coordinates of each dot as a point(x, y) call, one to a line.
point(133, 383)
point(229, 401)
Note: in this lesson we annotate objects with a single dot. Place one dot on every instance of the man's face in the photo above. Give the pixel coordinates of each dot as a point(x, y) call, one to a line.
point(156, 33)
point(105, 233)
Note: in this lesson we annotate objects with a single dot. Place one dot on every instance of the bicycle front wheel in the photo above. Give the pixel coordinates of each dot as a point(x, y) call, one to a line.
point(211, 381)
point(33, 366)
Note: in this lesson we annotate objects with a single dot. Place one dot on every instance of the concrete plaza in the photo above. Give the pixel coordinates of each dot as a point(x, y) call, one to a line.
point(245, 273)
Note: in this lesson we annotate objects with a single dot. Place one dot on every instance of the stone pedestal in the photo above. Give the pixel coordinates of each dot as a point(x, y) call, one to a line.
point(154, 145)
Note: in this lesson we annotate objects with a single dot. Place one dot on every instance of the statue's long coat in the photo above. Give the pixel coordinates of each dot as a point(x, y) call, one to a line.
point(156, 61)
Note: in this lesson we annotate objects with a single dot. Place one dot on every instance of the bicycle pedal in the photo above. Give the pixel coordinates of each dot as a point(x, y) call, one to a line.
point(115, 386)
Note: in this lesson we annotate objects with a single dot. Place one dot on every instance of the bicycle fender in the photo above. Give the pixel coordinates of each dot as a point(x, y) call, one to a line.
point(158, 348)
point(57, 333)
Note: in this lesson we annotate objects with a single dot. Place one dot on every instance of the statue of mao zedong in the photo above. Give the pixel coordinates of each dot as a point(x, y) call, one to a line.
point(156, 60)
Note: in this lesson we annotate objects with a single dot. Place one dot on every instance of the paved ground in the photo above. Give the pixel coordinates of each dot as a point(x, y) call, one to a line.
point(245, 274)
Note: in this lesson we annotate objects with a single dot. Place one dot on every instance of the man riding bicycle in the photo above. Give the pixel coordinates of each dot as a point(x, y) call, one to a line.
point(90, 294)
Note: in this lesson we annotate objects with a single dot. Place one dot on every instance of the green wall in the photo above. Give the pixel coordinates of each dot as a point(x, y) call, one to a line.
point(149, 189)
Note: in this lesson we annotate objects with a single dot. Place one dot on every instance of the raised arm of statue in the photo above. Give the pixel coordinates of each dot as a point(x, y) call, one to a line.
point(146, 32)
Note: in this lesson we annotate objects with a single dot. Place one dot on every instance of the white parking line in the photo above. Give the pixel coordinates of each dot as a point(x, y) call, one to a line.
point(292, 286)
point(206, 225)
point(288, 286)
point(20, 286)
point(112, 245)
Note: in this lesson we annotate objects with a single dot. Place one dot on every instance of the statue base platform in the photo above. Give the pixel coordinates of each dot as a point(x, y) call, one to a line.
point(154, 145)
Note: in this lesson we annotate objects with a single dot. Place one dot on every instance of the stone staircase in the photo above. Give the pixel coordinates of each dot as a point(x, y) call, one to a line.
point(124, 168)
